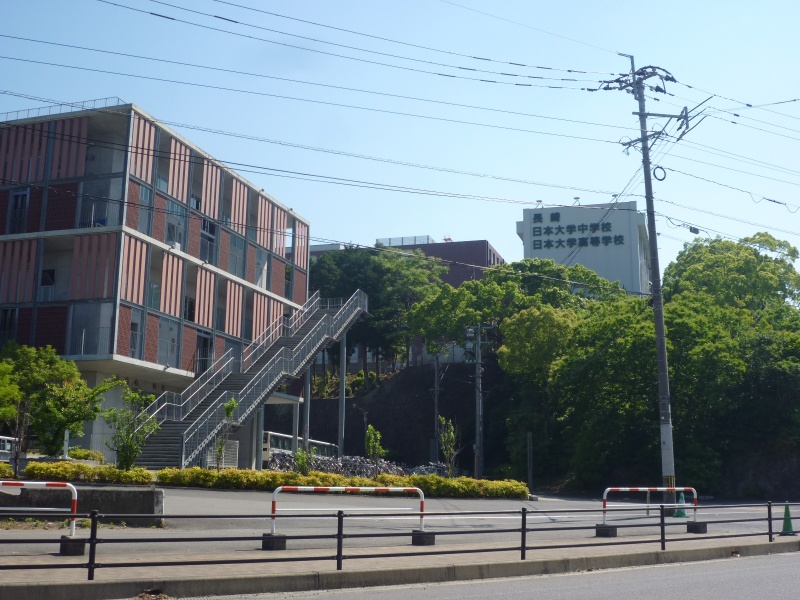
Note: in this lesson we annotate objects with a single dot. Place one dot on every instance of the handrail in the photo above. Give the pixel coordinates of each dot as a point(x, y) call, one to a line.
point(159, 404)
point(285, 362)
point(267, 337)
point(179, 410)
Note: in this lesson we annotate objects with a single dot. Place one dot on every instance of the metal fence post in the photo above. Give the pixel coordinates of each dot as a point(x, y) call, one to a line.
point(769, 519)
point(92, 545)
point(339, 538)
point(663, 528)
point(524, 533)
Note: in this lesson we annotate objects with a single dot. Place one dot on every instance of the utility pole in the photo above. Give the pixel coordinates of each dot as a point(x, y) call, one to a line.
point(664, 410)
point(435, 449)
point(478, 406)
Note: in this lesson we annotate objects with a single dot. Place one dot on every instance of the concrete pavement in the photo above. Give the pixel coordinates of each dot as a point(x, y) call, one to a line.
point(316, 568)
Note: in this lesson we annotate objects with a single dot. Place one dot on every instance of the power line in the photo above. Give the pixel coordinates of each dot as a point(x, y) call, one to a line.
point(563, 37)
point(367, 50)
point(297, 99)
point(363, 60)
point(730, 218)
point(411, 45)
point(304, 176)
point(736, 170)
point(752, 195)
point(219, 222)
point(312, 83)
point(335, 152)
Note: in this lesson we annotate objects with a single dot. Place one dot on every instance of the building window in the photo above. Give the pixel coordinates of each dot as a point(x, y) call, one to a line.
point(236, 257)
point(188, 309)
point(136, 345)
point(47, 285)
point(8, 325)
point(195, 203)
point(262, 268)
point(168, 342)
point(18, 215)
point(145, 210)
point(176, 225)
point(208, 242)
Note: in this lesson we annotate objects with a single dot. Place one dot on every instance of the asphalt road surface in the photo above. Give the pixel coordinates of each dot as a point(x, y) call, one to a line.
point(775, 577)
point(551, 518)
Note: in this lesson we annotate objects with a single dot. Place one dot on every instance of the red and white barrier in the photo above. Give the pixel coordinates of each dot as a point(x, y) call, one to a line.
point(354, 490)
point(670, 490)
point(48, 484)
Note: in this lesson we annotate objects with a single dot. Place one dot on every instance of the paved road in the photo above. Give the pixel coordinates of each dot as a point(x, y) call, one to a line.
point(775, 577)
point(552, 519)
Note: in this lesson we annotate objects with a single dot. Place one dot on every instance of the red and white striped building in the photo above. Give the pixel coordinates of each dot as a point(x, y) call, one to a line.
point(135, 253)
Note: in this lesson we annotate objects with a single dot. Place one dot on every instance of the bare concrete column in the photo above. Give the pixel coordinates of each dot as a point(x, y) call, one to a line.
point(342, 381)
point(307, 408)
point(295, 425)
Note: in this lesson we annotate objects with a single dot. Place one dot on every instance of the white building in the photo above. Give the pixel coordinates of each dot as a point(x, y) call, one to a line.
point(610, 239)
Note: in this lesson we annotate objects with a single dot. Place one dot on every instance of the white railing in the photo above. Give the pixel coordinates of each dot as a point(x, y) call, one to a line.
point(285, 362)
point(281, 327)
point(174, 406)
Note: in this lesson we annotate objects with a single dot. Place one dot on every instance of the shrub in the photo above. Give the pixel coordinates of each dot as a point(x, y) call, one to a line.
point(432, 486)
point(6, 472)
point(78, 453)
point(70, 471)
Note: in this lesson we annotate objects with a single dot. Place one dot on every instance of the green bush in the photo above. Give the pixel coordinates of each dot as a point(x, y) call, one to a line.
point(78, 453)
point(6, 472)
point(432, 486)
point(70, 471)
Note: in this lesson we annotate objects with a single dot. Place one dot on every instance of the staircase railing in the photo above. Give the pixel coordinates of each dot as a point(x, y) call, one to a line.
point(176, 405)
point(279, 327)
point(285, 362)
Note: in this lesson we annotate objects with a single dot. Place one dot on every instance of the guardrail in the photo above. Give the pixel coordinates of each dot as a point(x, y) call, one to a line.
point(520, 543)
point(310, 489)
point(49, 484)
point(647, 490)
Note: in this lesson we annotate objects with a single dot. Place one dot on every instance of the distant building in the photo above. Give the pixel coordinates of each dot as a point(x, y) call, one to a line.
point(465, 260)
point(610, 239)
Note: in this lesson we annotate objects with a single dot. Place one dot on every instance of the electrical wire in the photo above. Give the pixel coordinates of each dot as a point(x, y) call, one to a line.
point(304, 176)
point(362, 60)
point(752, 195)
point(297, 99)
point(386, 54)
point(256, 228)
point(563, 37)
point(312, 83)
point(411, 45)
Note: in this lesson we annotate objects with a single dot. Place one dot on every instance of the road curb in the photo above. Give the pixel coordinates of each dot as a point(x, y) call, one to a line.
point(327, 580)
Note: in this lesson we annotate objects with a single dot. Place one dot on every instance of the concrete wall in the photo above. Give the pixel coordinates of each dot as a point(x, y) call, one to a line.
point(105, 499)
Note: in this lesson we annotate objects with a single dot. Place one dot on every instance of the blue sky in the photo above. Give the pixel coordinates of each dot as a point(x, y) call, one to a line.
point(738, 51)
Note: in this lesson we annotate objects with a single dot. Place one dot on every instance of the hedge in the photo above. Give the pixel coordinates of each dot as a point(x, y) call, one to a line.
point(432, 486)
point(6, 472)
point(72, 471)
point(78, 453)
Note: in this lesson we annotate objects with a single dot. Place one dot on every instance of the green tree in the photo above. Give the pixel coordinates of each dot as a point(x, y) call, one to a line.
point(373, 448)
point(394, 281)
point(229, 408)
point(754, 273)
point(54, 398)
point(10, 395)
point(131, 426)
point(449, 444)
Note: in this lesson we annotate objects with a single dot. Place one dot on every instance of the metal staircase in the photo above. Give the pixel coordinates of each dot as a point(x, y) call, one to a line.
point(192, 419)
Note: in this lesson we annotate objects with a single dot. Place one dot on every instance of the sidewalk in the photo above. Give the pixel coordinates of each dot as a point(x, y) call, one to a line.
point(368, 570)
